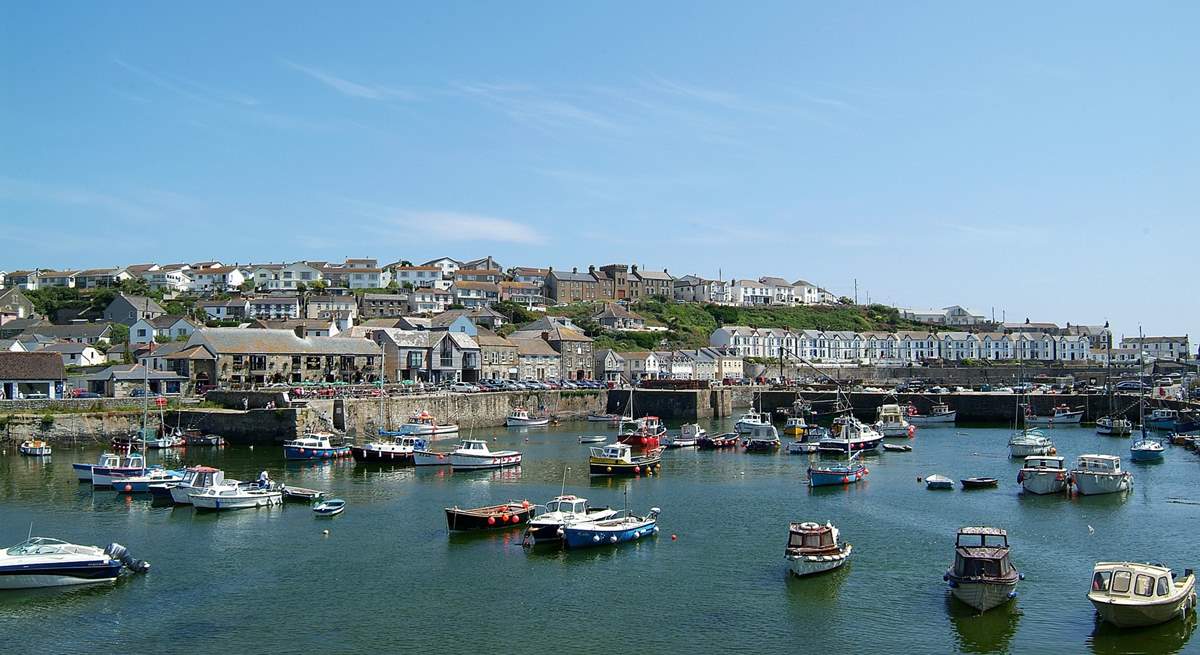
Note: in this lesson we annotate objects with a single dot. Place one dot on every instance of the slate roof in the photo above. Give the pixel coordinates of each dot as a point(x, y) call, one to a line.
point(615, 310)
point(31, 366)
point(71, 331)
point(283, 342)
point(531, 347)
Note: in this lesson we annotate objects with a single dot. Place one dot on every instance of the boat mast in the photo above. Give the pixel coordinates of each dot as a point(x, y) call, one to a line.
point(1141, 384)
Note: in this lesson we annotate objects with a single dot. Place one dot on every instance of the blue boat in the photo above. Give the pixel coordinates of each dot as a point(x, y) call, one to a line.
point(83, 471)
point(313, 446)
point(140, 484)
point(1162, 419)
point(586, 534)
point(132, 465)
point(1147, 450)
point(823, 476)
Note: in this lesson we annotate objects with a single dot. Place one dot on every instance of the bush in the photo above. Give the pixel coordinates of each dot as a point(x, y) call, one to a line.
point(47, 421)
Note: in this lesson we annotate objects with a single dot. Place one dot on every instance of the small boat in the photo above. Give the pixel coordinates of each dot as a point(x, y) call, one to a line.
point(936, 481)
point(795, 426)
point(195, 479)
point(890, 422)
point(1043, 474)
point(749, 421)
point(1117, 427)
point(1130, 595)
point(331, 507)
point(982, 575)
point(978, 483)
point(618, 459)
point(801, 447)
point(1162, 418)
point(939, 413)
point(897, 447)
point(584, 534)
point(603, 418)
point(34, 448)
point(838, 474)
point(313, 445)
point(762, 439)
point(492, 517)
point(231, 496)
point(689, 435)
point(44, 562)
point(815, 548)
point(647, 433)
point(430, 458)
point(165, 441)
point(132, 465)
point(300, 494)
point(423, 424)
point(1100, 474)
point(1024, 443)
point(548, 526)
point(1147, 450)
point(106, 460)
point(520, 417)
point(718, 442)
point(204, 439)
point(850, 435)
point(592, 438)
point(388, 450)
point(474, 455)
point(1062, 415)
point(138, 484)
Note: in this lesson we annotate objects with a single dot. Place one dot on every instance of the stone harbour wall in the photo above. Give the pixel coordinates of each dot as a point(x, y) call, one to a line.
point(70, 428)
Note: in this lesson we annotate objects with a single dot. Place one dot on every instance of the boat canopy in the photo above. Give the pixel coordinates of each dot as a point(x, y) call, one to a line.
point(1128, 580)
point(1045, 462)
point(811, 535)
point(1099, 463)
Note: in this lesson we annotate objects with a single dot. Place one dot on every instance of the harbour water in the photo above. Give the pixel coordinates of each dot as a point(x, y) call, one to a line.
point(389, 577)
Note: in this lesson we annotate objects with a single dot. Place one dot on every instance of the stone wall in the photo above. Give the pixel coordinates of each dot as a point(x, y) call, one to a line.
point(70, 428)
point(71, 405)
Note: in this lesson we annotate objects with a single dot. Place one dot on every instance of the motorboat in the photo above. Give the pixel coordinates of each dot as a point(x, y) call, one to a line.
point(474, 455)
point(204, 439)
point(164, 440)
point(1043, 474)
point(423, 424)
point(314, 445)
point(838, 474)
point(978, 483)
point(1024, 443)
point(815, 548)
point(618, 459)
point(1100, 474)
point(1062, 415)
point(603, 418)
point(45, 562)
point(802, 446)
point(1117, 427)
point(1130, 595)
point(1162, 418)
point(520, 417)
point(1147, 449)
point(750, 420)
point(138, 484)
point(762, 439)
point(982, 575)
point(592, 438)
point(936, 481)
point(890, 422)
point(106, 460)
point(897, 447)
point(329, 508)
point(430, 458)
point(491, 517)
point(689, 434)
point(232, 496)
point(615, 530)
point(850, 435)
point(647, 433)
point(795, 426)
point(939, 413)
point(389, 450)
point(34, 448)
point(196, 478)
point(292, 494)
point(719, 441)
point(132, 464)
point(548, 526)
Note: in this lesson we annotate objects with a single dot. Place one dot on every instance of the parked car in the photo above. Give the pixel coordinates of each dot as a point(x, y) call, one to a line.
point(463, 387)
point(86, 394)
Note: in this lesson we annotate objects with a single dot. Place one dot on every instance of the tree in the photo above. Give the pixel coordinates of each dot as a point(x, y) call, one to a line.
point(246, 287)
point(845, 300)
point(457, 305)
point(134, 286)
point(120, 333)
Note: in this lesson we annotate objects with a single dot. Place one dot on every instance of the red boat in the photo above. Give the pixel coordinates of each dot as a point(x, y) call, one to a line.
point(645, 435)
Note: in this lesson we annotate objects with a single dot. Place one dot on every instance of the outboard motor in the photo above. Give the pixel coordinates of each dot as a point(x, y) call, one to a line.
point(120, 553)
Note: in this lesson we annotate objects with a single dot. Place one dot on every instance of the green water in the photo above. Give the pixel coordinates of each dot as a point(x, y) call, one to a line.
point(389, 577)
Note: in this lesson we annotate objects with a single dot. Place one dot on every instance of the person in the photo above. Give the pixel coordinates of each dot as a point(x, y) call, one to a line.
point(245, 403)
point(264, 480)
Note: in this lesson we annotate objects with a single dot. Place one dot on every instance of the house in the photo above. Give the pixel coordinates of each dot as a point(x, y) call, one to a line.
point(530, 275)
point(276, 277)
point(241, 357)
point(127, 310)
point(750, 293)
point(406, 353)
point(65, 279)
point(169, 277)
point(14, 305)
point(161, 328)
point(957, 346)
point(650, 284)
point(673, 365)
point(475, 294)
point(418, 277)
point(996, 346)
point(537, 360)
point(729, 366)
point(781, 291)
point(1099, 336)
point(76, 354)
point(454, 356)
point(806, 293)
point(567, 339)
point(331, 307)
point(381, 305)
point(483, 263)
point(612, 280)
point(524, 293)
point(917, 345)
point(95, 278)
point(451, 320)
point(955, 315)
point(498, 357)
point(478, 275)
point(446, 265)
point(639, 365)
point(563, 287)
point(704, 366)
point(86, 333)
point(209, 279)
point(361, 277)
point(692, 288)
point(616, 317)
point(273, 307)
point(31, 375)
point(225, 310)
point(11, 346)
point(609, 366)
point(123, 380)
point(1173, 348)
point(27, 280)
point(1030, 327)
point(155, 355)
point(428, 301)
point(304, 327)
point(1072, 348)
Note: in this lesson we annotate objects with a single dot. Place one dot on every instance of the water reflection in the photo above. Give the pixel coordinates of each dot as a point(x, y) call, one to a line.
point(819, 589)
point(989, 632)
point(1170, 637)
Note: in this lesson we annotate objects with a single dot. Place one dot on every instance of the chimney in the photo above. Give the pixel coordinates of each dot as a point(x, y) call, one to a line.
point(574, 269)
point(592, 269)
point(545, 336)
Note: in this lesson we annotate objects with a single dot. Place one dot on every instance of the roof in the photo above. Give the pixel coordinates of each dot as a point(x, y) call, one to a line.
point(614, 310)
point(70, 331)
point(92, 272)
point(491, 272)
point(775, 281)
point(68, 347)
point(166, 321)
point(193, 353)
point(133, 373)
point(416, 268)
point(525, 270)
point(446, 318)
point(470, 284)
point(405, 338)
point(248, 340)
point(343, 299)
point(534, 347)
point(379, 322)
point(490, 340)
point(274, 300)
point(554, 330)
point(31, 366)
point(234, 302)
point(572, 277)
point(164, 349)
point(142, 303)
point(653, 275)
point(385, 296)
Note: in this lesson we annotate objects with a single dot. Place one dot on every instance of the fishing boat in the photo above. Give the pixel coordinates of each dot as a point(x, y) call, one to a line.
point(936, 481)
point(44, 562)
point(164, 441)
point(329, 508)
point(850, 435)
point(897, 447)
point(313, 445)
point(647, 433)
point(1061, 415)
point(1161, 418)
point(34, 448)
point(430, 458)
point(195, 479)
point(603, 418)
point(815, 548)
point(618, 459)
point(689, 435)
point(719, 441)
point(106, 460)
point(548, 526)
point(592, 438)
point(1027, 442)
point(622, 529)
point(1147, 450)
point(982, 575)
point(423, 424)
point(388, 450)
point(132, 464)
point(139, 484)
point(1043, 474)
point(890, 422)
point(1130, 595)
point(1100, 474)
point(800, 408)
point(491, 517)
point(795, 426)
point(939, 413)
point(1114, 426)
point(231, 496)
point(750, 420)
point(520, 417)
point(978, 483)
point(838, 474)
point(762, 439)
point(474, 455)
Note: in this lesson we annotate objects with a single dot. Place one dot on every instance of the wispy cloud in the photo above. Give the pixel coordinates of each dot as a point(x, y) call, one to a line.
point(349, 87)
point(529, 105)
point(188, 88)
point(455, 226)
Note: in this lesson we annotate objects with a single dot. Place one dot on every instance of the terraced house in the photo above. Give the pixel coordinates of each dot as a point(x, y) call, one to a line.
point(241, 357)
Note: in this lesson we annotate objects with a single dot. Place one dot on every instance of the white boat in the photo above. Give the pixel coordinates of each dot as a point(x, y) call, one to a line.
point(890, 422)
point(936, 481)
point(1147, 450)
point(592, 438)
point(1100, 474)
point(196, 479)
point(133, 464)
point(1118, 427)
point(604, 418)
point(1043, 474)
point(799, 447)
point(430, 458)
point(982, 575)
point(815, 548)
point(520, 417)
point(689, 434)
point(548, 526)
point(423, 424)
point(83, 471)
point(1062, 415)
point(474, 455)
point(850, 435)
point(231, 496)
point(45, 562)
point(750, 420)
point(939, 413)
point(1028, 442)
point(34, 448)
point(1130, 595)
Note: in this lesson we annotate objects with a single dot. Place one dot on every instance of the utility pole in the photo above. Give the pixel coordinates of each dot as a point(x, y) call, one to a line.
point(855, 291)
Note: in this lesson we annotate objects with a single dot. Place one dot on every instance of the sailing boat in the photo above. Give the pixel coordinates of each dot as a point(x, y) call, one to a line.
point(1112, 424)
point(1145, 449)
point(1026, 441)
point(647, 431)
point(389, 447)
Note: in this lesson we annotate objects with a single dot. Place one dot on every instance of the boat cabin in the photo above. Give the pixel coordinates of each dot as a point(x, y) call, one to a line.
point(890, 414)
point(1098, 464)
point(981, 552)
point(1163, 414)
point(1045, 462)
point(796, 423)
point(133, 460)
point(801, 407)
point(310, 440)
point(763, 433)
point(519, 413)
point(1131, 581)
point(474, 447)
point(421, 418)
point(203, 476)
point(651, 424)
point(811, 538)
point(567, 505)
point(613, 452)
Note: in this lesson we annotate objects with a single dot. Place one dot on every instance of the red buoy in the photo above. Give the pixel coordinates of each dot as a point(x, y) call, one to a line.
point(674, 537)
point(637, 469)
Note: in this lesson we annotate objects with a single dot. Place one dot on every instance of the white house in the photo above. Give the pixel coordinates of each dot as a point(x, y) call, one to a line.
point(217, 278)
point(169, 277)
point(780, 290)
point(997, 346)
point(274, 307)
point(57, 279)
point(1072, 348)
point(331, 307)
point(276, 277)
point(639, 364)
point(1160, 347)
point(750, 293)
point(147, 330)
point(957, 346)
point(101, 277)
point(76, 354)
point(417, 277)
point(446, 265)
point(429, 301)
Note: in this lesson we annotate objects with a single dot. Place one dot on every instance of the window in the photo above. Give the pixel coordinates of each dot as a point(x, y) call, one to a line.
point(1164, 587)
point(1121, 581)
point(1144, 585)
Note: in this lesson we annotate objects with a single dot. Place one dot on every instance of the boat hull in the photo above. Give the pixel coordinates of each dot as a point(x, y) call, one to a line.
point(802, 565)
point(983, 596)
point(218, 503)
point(1063, 419)
point(1146, 454)
point(844, 446)
point(933, 419)
point(434, 431)
point(428, 458)
point(717, 443)
point(1044, 482)
point(304, 453)
point(836, 476)
point(1094, 484)
point(525, 422)
point(108, 476)
point(591, 535)
point(37, 576)
point(1124, 614)
point(1019, 450)
point(462, 462)
point(458, 520)
point(892, 430)
point(381, 456)
point(34, 451)
point(638, 466)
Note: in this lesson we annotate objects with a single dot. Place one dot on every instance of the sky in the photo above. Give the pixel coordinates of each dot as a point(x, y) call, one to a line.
point(1029, 159)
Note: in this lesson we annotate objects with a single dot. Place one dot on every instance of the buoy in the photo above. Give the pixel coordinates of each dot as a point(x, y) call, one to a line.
point(608, 470)
point(325, 532)
point(613, 539)
point(637, 469)
point(674, 537)
point(596, 539)
point(491, 520)
point(516, 518)
point(525, 504)
point(128, 487)
point(845, 479)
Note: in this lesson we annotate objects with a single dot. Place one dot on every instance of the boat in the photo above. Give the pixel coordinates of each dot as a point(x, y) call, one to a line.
point(430, 458)
point(890, 422)
point(592, 438)
point(520, 417)
point(199, 439)
point(1146, 450)
point(750, 420)
point(313, 445)
point(164, 441)
point(850, 435)
point(300, 494)
point(45, 562)
point(603, 418)
point(83, 471)
point(838, 474)
point(584, 534)
point(897, 447)
point(815, 548)
point(800, 408)
point(155, 475)
point(647, 433)
point(1130, 595)
point(762, 439)
point(982, 575)
point(548, 526)
point(474, 455)
point(719, 441)
point(939, 413)
point(805, 444)
point(388, 450)
point(423, 424)
point(1117, 427)
point(232, 496)
point(34, 448)
point(936, 481)
point(492, 517)
point(331, 507)
point(689, 435)
point(618, 459)
point(1043, 474)
point(1062, 415)
point(1026, 442)
point(978, 483)
point(195, 479)
point(132, 464)
point(795, 426)
point(1100, 474)
point(1161, 418)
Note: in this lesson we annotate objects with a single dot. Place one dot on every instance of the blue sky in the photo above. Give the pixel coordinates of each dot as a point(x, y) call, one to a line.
point(1036, 158)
